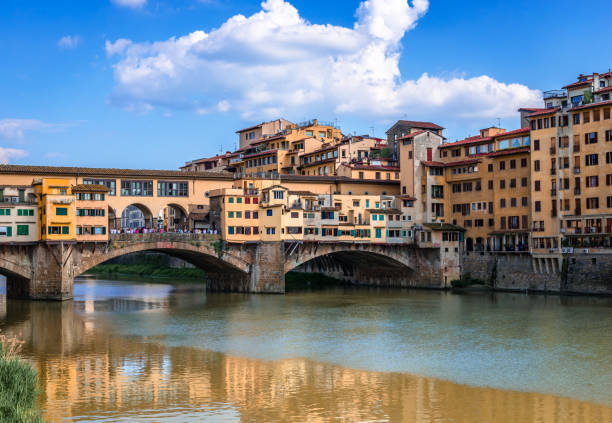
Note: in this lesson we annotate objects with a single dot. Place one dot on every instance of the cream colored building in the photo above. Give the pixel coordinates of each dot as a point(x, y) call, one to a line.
point(18, 214)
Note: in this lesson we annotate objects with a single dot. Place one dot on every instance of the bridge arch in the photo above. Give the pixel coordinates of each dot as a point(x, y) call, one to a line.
point(355, 263)
point(224, 270)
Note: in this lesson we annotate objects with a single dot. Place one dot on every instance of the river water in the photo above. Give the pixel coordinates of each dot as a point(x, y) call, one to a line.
point(152, 352)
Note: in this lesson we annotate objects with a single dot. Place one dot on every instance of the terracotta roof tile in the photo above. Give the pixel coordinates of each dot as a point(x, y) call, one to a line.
point(89, 188)
point(541, 112)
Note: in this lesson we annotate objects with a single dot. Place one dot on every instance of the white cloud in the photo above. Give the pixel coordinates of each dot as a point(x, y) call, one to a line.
point(134, 4)
point(8, 154)
point(14, 129)
point(69, 41)
point(276, 63)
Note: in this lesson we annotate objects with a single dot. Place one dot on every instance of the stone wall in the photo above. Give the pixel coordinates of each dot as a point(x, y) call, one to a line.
point(571, 273)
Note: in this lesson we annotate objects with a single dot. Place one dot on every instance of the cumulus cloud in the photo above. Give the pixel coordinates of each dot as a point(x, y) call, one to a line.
point(15, 129)
point(8, 154)
point(134, 4)
point(275, 62)
point(69, 41)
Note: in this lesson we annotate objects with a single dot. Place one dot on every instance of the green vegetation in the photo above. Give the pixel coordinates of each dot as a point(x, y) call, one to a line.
point(466, 281)
point(295, 281)
point(588, 97)
point(149, 270)
point(18, 385)
point(218, 246)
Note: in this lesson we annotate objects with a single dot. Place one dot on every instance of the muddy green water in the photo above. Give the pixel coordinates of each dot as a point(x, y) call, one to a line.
point(137, 352)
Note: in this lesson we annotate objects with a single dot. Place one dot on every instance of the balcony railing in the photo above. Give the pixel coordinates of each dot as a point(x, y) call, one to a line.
point(554, 94)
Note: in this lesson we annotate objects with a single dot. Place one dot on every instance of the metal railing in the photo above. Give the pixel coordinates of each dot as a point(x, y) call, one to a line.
point(554, 94)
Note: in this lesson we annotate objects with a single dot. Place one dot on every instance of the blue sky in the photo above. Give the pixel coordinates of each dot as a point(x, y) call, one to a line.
point(72, 94)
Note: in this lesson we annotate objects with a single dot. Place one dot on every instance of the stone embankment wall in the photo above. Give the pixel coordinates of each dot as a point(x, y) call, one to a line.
point(570, 273)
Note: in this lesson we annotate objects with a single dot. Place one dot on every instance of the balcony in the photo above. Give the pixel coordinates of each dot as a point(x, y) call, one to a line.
point(576, 171)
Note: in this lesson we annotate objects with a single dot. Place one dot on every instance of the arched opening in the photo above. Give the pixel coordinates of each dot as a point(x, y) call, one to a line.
point(175, 218)
point(114, 223)
point(469, 244)
point(479, 244)
point(136, 216)
point(356, 267)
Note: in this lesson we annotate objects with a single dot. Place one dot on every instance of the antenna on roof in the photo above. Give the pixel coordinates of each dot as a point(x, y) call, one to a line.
point(372, 131)
point(499, 122)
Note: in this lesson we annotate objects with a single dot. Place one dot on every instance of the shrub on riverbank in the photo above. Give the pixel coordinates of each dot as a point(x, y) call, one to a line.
point(18, 385)
point(466, 281)
point(148, 270)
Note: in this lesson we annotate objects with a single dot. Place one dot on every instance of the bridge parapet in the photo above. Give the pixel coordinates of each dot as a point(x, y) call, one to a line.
point(165, 236)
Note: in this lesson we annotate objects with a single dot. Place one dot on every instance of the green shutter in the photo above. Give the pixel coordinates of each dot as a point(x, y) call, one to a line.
point(9, 231)
point(49, 230)
point(8, 212)
point(61, 211)
point(19, 212)
point(65, 230)
point(31, 212)
point(103, 230)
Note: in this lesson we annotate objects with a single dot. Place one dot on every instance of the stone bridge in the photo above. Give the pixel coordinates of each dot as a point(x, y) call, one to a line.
point(47, 270)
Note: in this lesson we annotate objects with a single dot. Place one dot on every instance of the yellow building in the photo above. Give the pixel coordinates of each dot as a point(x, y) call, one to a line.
point(571, 158)
point(91, 212)
point(56, 209)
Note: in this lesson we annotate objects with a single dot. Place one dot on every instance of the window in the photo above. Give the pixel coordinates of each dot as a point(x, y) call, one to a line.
point(576, 117)
point(502, 183)
point(490, 167)
point(502, 165)
point(592, 181)
point(23, 230)
point(590, 160)
point(269, 212)
point(278, 195)
point(61, 211)
point(592, 203)
point(536, 145)
point(586, 116)
point(596, 115)
point(137, 188)
point(523, 182)
point(536, 165)
point(172, 189)
point(537, 206)
point(513, 202)
point(608, 157)
point(512, 183)
point(65, 230)
point(502, 203)
point(230, 214)
point(609, 135)
point(606, 113)
point(490, 184)
point(524, 201)
point(590, 138)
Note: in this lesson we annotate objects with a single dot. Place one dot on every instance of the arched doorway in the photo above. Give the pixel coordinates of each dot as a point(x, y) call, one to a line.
point(175, 218)
point(136, 216)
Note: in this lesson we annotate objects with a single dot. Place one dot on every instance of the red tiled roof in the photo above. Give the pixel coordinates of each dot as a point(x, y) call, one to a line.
point(261, 153)
point(374, 167)
point(604, 90)
point(509, 151)
point(417, 124)
point(432, 164)
point(469, 140)
point(412, 134)
point(250, 127)
point(579, 84)
point(461, 163)
point(513, 132)
point(541, 112)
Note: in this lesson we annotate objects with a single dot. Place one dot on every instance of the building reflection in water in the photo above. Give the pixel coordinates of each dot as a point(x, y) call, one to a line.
point(87, 373)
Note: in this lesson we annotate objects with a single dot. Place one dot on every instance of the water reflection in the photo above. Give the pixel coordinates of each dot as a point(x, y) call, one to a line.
point(119, 358)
